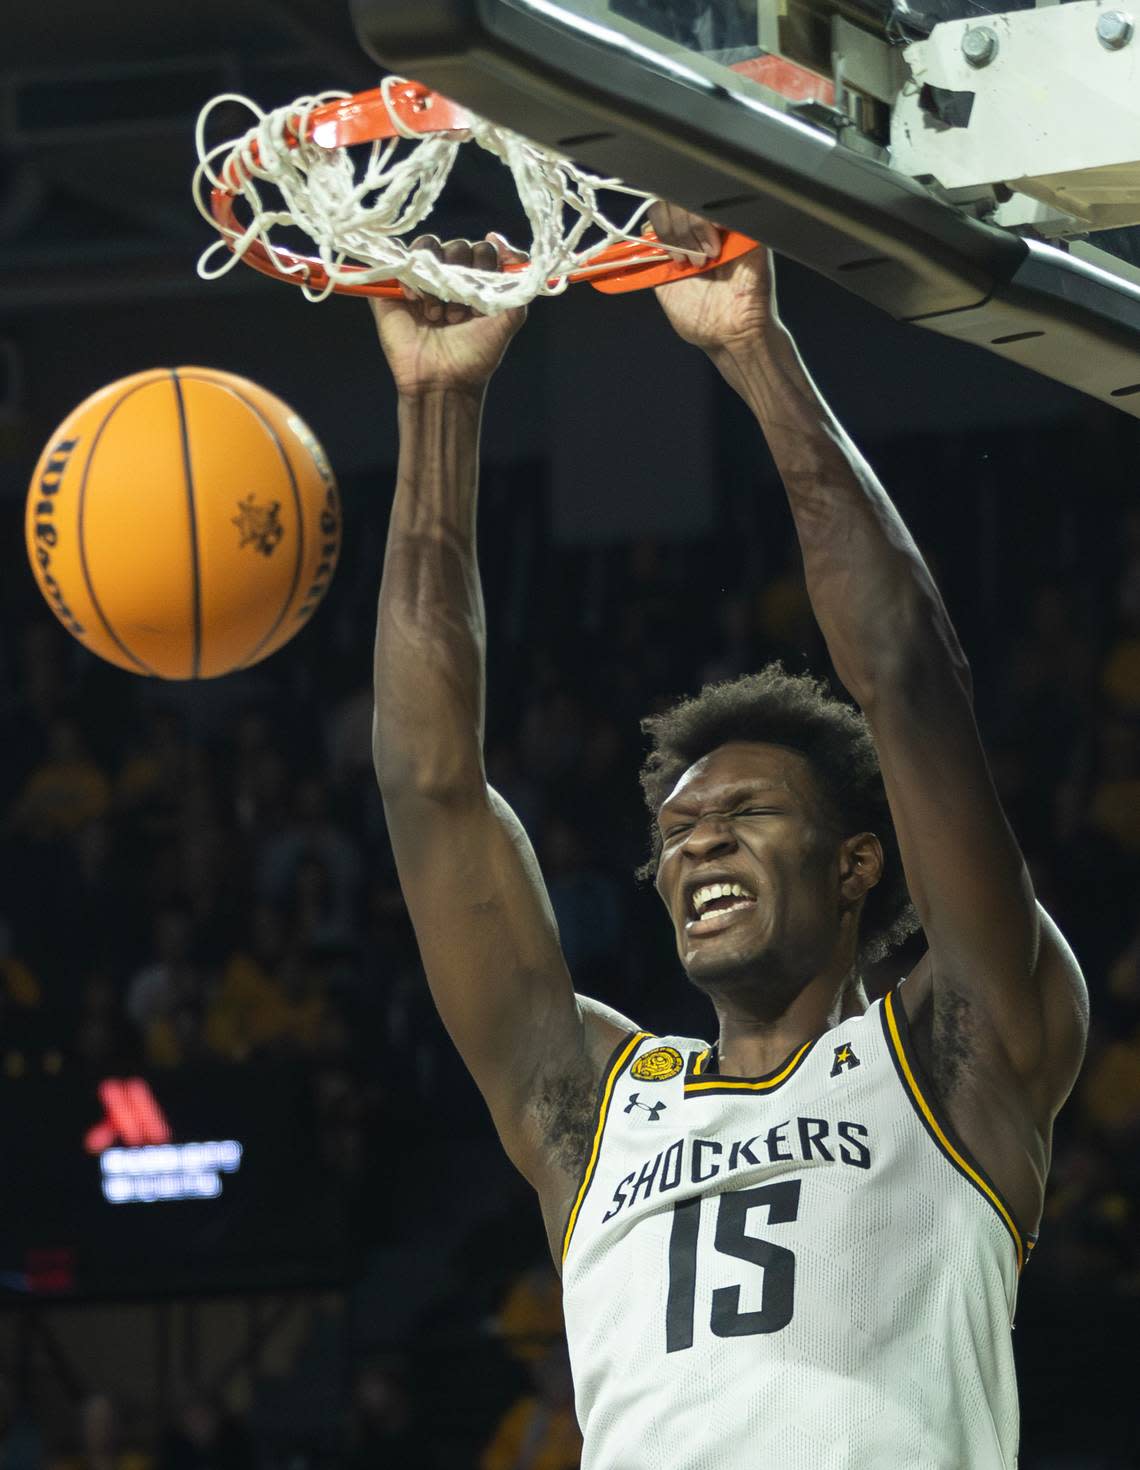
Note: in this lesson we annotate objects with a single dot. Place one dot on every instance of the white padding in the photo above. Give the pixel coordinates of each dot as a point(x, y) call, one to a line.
point(1055, 114)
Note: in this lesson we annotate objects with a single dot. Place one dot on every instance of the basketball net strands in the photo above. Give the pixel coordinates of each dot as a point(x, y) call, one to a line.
point(356, 216)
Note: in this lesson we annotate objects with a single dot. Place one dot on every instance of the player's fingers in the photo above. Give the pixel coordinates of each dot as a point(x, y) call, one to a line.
point(484, 256)
point(505, 251)
point(431, 245)
point(457, 252)
point(676, 226)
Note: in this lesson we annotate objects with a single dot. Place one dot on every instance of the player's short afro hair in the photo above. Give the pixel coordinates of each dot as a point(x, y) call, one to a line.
point(797, 711)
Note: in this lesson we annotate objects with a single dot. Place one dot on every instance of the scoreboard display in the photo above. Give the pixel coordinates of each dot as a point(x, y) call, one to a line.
point(203, 1179)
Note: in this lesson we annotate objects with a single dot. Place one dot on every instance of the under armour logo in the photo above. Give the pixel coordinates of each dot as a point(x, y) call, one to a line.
point(844, 1058)
point(653, 1109)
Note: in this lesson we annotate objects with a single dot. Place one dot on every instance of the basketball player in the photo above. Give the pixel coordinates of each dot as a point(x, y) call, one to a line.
point(797, 1248)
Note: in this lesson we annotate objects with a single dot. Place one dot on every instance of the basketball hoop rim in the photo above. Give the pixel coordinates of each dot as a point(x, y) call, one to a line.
point(367, 117)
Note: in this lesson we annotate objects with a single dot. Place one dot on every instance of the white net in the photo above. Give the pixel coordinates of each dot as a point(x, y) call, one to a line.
point(355, 215)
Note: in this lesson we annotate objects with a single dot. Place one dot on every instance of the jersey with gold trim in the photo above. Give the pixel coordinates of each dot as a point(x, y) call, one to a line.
point(805, 1271)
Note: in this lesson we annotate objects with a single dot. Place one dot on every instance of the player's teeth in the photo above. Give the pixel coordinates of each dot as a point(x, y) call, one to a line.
point(704, 896)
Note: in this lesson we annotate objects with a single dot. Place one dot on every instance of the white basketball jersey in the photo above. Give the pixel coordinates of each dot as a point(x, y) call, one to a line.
point(804, 1271)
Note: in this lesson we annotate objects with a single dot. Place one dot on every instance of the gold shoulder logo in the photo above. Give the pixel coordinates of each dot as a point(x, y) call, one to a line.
point(658, 1065)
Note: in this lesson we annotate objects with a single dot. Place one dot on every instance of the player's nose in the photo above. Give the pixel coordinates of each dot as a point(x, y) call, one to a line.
point(709, 832)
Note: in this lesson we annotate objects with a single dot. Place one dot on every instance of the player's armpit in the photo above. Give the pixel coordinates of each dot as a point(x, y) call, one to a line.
point(489, 944)
point(563, 1101)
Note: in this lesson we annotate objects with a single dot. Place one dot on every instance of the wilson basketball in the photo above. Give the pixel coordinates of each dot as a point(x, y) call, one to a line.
point(183, 523)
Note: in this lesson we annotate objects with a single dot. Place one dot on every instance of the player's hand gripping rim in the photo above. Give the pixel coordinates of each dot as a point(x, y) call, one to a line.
point(433, 345)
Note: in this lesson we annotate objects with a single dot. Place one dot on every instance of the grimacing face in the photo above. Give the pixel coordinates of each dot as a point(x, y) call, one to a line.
point(752, 814)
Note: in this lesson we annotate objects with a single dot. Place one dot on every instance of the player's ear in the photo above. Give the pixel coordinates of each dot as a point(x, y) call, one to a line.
point(860, 865)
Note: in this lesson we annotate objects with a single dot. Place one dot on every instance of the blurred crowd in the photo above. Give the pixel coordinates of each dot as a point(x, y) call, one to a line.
point(200, 875)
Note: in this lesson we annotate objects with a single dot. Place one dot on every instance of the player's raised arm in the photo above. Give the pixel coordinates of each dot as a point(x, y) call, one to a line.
point(483, 920)
point(996, 959)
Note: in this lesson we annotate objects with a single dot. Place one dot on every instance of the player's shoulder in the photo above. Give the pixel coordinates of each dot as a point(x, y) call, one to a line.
point(605, 1029)
point(610, 1035)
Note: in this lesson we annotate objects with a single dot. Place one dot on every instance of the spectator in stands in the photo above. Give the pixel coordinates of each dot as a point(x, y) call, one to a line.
point(383, 1429)
point(65, 789)
point(323, 916)
point(539, 1431)
point(258, 778)
point(314, 864)
point(530, 1318)
point(153, 989)
point(249, 1010)
point(274, 992)
point(152, 781)
point(166, 995)
point(42, 692)
point(205, 1436)
point(100, 1444)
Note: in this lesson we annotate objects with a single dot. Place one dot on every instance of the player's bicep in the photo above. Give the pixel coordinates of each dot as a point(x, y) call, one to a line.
point(488, 940)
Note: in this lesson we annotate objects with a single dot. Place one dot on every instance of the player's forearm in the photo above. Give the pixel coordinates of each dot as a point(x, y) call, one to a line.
point(430, 655)
point(872, 593)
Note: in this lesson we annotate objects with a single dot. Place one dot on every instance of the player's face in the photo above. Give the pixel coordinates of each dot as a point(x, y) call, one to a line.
point(750, 814)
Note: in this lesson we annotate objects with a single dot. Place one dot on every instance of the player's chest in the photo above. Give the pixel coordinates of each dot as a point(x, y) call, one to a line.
point(692, 1133)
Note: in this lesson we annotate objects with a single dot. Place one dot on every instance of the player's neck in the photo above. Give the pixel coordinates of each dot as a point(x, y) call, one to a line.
point(751, 1046)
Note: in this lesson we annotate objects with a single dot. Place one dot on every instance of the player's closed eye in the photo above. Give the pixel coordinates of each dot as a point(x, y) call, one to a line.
point(752, 811)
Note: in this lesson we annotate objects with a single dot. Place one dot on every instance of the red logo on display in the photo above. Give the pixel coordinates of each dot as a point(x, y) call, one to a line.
point(133, 1117)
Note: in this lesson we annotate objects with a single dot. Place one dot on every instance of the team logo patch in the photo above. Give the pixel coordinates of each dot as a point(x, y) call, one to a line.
point(845, 1059)
point(260, 525)
point(658, 1065)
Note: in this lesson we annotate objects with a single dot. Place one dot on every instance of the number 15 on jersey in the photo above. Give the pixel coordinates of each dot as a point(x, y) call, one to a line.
point(777, 1303)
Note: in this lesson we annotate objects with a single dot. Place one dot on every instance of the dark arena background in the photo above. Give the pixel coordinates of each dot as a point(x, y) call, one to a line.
point(203, 946)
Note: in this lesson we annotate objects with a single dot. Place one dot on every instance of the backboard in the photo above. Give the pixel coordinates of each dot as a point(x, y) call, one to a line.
point(933, 156)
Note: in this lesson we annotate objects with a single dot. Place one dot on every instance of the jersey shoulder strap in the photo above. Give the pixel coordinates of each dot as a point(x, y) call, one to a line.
point(645, 1057)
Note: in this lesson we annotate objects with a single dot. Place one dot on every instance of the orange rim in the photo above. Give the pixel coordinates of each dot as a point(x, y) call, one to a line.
point(364, 118)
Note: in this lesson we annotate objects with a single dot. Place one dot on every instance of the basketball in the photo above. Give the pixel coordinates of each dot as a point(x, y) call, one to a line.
point(183, 523)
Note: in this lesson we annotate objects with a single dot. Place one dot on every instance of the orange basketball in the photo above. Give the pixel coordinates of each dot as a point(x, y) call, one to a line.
point(183, 523)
